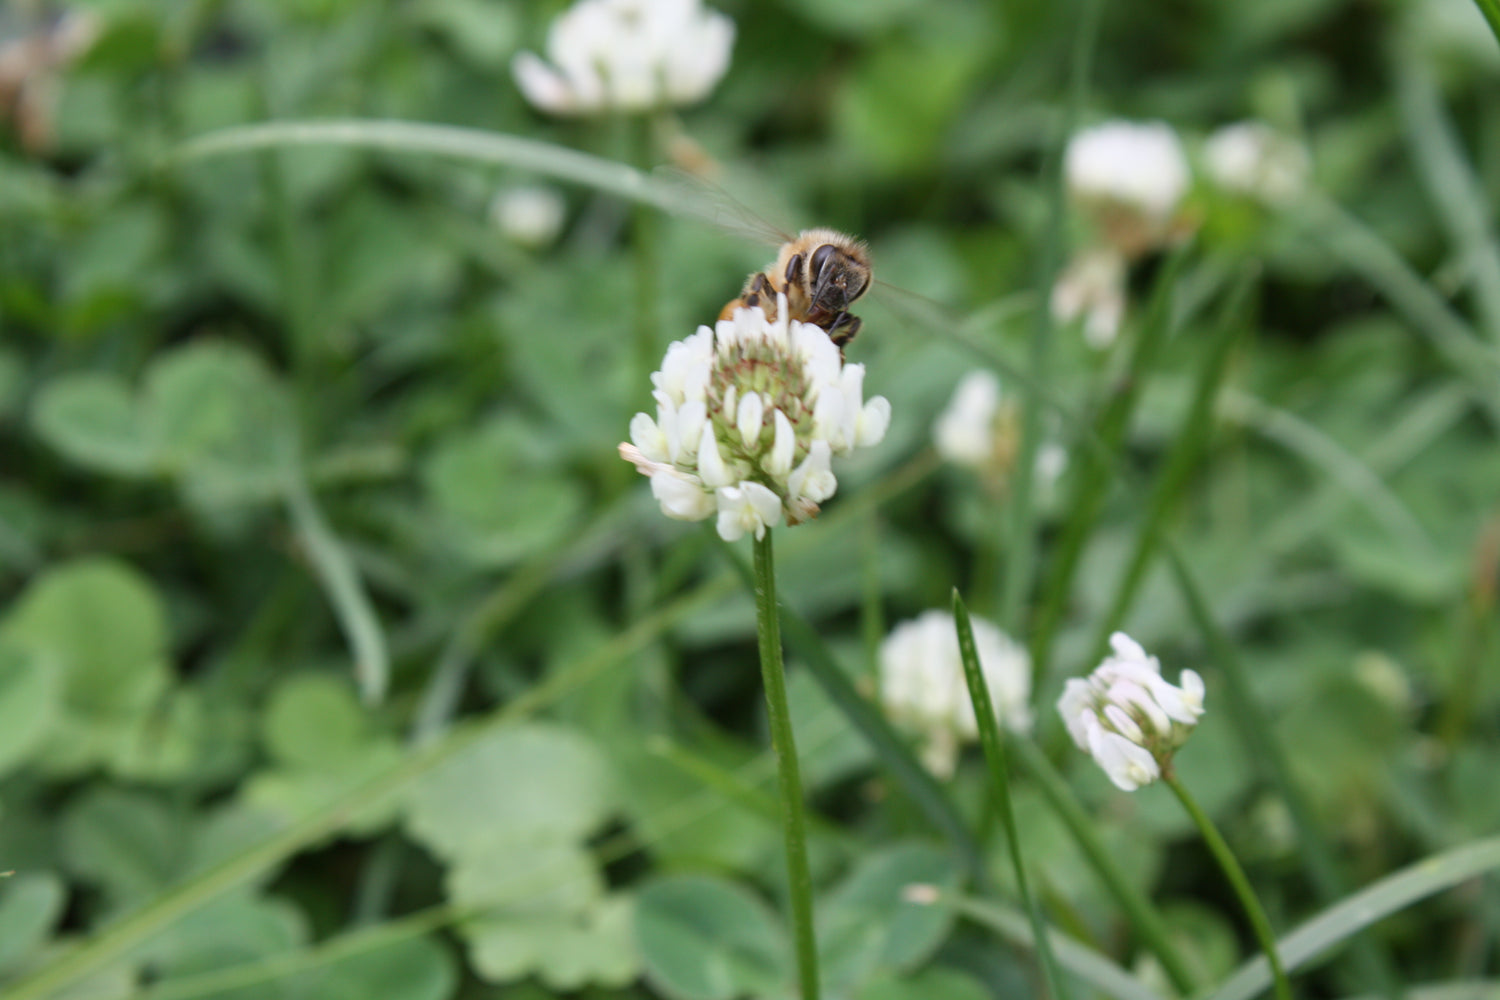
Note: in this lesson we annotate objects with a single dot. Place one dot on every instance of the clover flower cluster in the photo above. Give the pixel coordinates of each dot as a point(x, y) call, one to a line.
point(980, 430)
point(627, 55)
point(1253, 160)
point(749, 415)
point(1127, 716)
point(923, 690)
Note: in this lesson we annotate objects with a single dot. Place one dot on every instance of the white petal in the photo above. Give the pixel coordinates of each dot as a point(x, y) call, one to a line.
point(749, 507)
point(648, 437)
point(681, 496)
point(1076, 706)
point(711, 467)
point(783, 448)
point(874, 421)
point(543, 86)
point(1126, 764)
point(751, 411)
point(814, 479)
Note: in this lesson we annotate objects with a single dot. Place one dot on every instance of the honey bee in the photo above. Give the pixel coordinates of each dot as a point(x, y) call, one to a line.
point(822, 273)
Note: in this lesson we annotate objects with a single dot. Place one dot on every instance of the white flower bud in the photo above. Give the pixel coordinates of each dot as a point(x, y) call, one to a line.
point(752, 408)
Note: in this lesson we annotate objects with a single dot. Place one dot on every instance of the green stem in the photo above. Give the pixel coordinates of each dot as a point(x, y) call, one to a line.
point(1491, 11)
point(1236, 875)
point(994, 758)
point(1138, 909)
point(799, 877)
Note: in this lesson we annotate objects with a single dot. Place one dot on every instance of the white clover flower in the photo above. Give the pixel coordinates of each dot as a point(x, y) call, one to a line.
point(980, 430)
point(749, 415)
point(530, 215)
point(1131, 176)
point(1092, 287)
point(1127, 716)
point(627, 55)
point(1254, 160)
point(922, 684)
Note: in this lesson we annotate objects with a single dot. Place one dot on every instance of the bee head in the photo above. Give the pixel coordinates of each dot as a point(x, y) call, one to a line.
point(837, 279)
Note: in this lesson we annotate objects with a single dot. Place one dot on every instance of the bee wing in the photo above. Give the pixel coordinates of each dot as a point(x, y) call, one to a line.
point(691, 195)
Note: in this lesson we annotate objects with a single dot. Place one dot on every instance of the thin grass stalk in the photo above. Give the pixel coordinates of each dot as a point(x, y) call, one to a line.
point(1021, 544)
point(1230, 865)
point(889, 746)
point(1091, 486)
point(1491, 11)
point(1143, 917)
point(1192, 437)
point(1258, 736)
point(994, 758)
point(794, 823)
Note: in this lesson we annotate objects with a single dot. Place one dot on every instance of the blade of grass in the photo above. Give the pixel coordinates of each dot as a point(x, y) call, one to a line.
point(1142, 916)
point(1491, 11)
point(1257, 735)
point(1451, 185)
point(1361, 483)
point(894, 753)
point(1092, 483)
point(346, 592)
point(1192, 437)
point(1020, 567)
point(1081, 961)
point(994, 758)
point(1316, 938)
point(130, 930)
point(1364, 251)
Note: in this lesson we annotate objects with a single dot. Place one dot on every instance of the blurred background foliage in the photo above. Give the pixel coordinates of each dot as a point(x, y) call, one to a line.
point(306, 462)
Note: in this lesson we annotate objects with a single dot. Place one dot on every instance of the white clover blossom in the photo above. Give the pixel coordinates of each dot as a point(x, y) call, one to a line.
point(1131, 177)
point(1127, 716)
point(530, 214)
point(923, 690)
point(627, 55)
point(980, 430)
point(749, 415)
point(1092, 287)
point(1254, 160)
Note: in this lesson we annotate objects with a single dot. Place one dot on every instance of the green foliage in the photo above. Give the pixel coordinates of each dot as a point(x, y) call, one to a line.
point(341, 656)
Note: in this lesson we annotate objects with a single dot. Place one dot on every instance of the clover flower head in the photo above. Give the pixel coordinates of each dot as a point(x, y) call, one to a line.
point(922, 684)
point(749, 415)
point(980, 430)
point(1131, 177)
point(1127, 716)
point(1092, 287)
point(1254, 160)
point(627, 55)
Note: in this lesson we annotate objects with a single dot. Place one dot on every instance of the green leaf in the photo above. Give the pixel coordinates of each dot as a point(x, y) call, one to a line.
point(313, 720)
point(30, 697)
point(866, 925)
point(530, 779)
point(704, 938)
point(497, 505)
point(104, 623)
point(30, 905)
point(223, 421)
point(92, 419)
point(929, 984)
point(129, 843)
point(235, 928)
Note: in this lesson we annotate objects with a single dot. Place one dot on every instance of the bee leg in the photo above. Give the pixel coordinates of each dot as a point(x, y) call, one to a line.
point(843, 328)
point(759, 292)
point(794, 271)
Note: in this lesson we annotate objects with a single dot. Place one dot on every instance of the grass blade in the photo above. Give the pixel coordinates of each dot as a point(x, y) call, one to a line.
point(1081, 961)
point(1491, 11)
point(1303, 947)
point(346, 592)
point(994, 758)
point(1197, 425)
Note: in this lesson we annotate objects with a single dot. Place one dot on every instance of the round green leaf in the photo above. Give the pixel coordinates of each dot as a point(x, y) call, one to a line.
point(130, 843)
point(867, 924)
point(105, 624)
point(30, 694)
point(315, 719)
point(223, 420)
point(30, 905)
point(704, 938)
point(522, 781)
point(92, 419)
